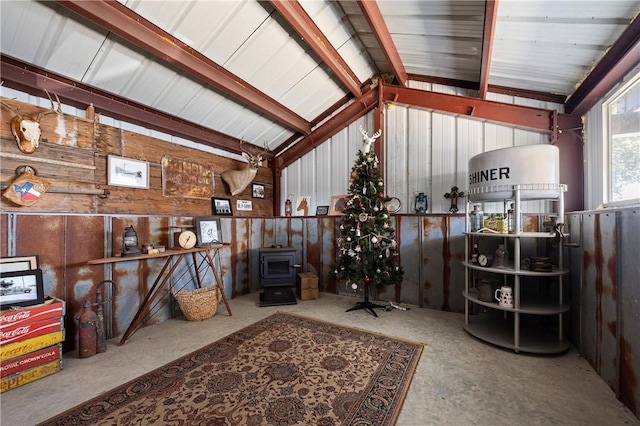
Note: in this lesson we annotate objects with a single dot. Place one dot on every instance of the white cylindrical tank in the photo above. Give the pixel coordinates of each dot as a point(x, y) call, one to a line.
point(493, 175)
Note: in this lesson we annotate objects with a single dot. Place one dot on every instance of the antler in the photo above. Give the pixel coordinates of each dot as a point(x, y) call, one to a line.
point(53, 110)
point(14, 110)
point(364, 132)
point(376, 134)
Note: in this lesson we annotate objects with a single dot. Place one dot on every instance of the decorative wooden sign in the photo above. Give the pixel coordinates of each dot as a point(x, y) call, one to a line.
point(186, 179)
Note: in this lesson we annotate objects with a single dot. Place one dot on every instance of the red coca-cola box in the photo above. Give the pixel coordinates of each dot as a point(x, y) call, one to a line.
point(26, 330)
point(30, 360)
point(51, 308)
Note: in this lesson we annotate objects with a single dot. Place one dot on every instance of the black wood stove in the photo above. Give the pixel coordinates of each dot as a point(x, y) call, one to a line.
point(278, 271)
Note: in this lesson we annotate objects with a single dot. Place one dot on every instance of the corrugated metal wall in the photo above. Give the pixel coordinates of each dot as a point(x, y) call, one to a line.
point(605, 306)
point(426, 152)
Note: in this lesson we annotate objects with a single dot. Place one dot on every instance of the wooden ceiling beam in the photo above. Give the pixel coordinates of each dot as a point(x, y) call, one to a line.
point(490, 18)
point(374, 18)
point(122, 21)
point(302, 23)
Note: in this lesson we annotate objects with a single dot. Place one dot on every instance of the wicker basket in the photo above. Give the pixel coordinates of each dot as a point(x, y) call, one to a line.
point(198, 304)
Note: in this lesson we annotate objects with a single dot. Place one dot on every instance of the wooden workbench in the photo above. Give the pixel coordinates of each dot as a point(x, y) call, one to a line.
point(164, 275)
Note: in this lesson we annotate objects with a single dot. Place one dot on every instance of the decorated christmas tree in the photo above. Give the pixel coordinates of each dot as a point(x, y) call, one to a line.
point(367, 253)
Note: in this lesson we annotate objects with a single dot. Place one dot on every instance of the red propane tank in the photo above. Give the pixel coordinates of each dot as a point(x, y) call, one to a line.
point(87, 331)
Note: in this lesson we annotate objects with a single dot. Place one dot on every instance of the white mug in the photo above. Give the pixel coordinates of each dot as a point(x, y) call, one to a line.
point(505, 299)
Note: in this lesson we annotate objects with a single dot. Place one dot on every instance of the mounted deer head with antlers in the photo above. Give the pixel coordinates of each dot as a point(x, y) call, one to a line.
point(26, 129)
point(238, 180)
point(368, 140)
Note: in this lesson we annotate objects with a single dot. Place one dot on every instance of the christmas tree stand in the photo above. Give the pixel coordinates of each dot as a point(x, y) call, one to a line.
point(366, 304)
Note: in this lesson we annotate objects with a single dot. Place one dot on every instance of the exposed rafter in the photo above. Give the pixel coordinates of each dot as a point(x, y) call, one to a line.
point(621, 58)
point(490, 18)
point(348, 115)
point(122, 21)
point(316, 40)
point(374, 17)
point(30, 79)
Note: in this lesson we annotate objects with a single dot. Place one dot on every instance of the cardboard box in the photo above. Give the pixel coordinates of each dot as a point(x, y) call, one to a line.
point(497, 224)
point(308, 294)
point(30, 360)
point(307, 280)
point(307, 285)
point(51, 308)
point(30, 345)
point(29, 375)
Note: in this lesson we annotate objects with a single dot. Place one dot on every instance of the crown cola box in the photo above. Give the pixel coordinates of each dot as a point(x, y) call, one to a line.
point(29, 375)
point(30, 360)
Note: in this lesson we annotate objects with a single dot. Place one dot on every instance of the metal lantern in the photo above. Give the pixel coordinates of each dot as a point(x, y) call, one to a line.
point(420, 203)
point(130, 242)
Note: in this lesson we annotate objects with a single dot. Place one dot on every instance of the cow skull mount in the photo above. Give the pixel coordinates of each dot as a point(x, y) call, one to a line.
point(26, 129)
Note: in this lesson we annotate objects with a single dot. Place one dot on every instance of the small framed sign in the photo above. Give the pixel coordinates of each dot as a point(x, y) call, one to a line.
point(245, 205)
point(127, 172)
point(221, 206)
point(322, 210)
point(21, 288)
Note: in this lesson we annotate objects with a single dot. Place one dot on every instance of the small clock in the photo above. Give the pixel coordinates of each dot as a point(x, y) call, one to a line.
point(187, 239)
point(484, 260)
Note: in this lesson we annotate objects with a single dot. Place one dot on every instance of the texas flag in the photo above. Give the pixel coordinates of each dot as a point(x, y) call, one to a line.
point(27, 192)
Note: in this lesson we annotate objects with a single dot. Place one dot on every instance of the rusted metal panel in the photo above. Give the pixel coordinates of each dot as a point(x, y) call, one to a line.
point(628, 271)
point(409, 238)
point(574, 263)
point(327, 253)
point(599, 311)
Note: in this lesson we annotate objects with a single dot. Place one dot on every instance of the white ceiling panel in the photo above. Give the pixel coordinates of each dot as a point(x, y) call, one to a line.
point(542, 46)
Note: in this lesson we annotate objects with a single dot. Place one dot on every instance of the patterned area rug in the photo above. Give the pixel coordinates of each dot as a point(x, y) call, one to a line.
point(283, 370)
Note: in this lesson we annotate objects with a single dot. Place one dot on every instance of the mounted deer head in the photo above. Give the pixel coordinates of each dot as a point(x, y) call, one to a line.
point(368, 140)
point(238, 180)
point(26, 129)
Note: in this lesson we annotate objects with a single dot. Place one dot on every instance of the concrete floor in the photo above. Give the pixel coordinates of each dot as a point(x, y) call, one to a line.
point(459, 381)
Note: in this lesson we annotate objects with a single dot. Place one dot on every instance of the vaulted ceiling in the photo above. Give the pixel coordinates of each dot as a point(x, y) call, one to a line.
point(274, 72)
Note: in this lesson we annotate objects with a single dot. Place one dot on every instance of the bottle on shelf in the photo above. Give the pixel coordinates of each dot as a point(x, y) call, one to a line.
point(502, 256)
point(477, 218)
point(511, 219)
point(474, 254)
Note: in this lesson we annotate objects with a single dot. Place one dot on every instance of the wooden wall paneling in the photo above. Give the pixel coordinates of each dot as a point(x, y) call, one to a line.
point(4, 234)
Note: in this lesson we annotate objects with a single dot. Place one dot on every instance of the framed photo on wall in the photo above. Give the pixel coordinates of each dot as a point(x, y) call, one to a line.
point(338, 203)
point(208, 230)
point(123, 171)
point(21, 288)
point(257, 190)
point(221, 206)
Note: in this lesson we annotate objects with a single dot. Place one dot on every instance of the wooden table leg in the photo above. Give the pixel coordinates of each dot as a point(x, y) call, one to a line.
point(219, 282)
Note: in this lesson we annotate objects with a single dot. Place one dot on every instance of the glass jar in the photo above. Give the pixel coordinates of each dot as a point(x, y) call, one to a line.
point(477, 218)
point(501, 257)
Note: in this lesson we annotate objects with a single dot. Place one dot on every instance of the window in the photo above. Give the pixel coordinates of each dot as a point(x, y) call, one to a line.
point(622, 115)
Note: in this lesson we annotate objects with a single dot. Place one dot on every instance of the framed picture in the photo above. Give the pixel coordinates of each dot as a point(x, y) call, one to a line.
point(21, 288)
point(338, 203)
point(18, 263)
point(322, 210)
point(127, 172)
point(221, 206)
point(208, 230)
point(257, 190)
